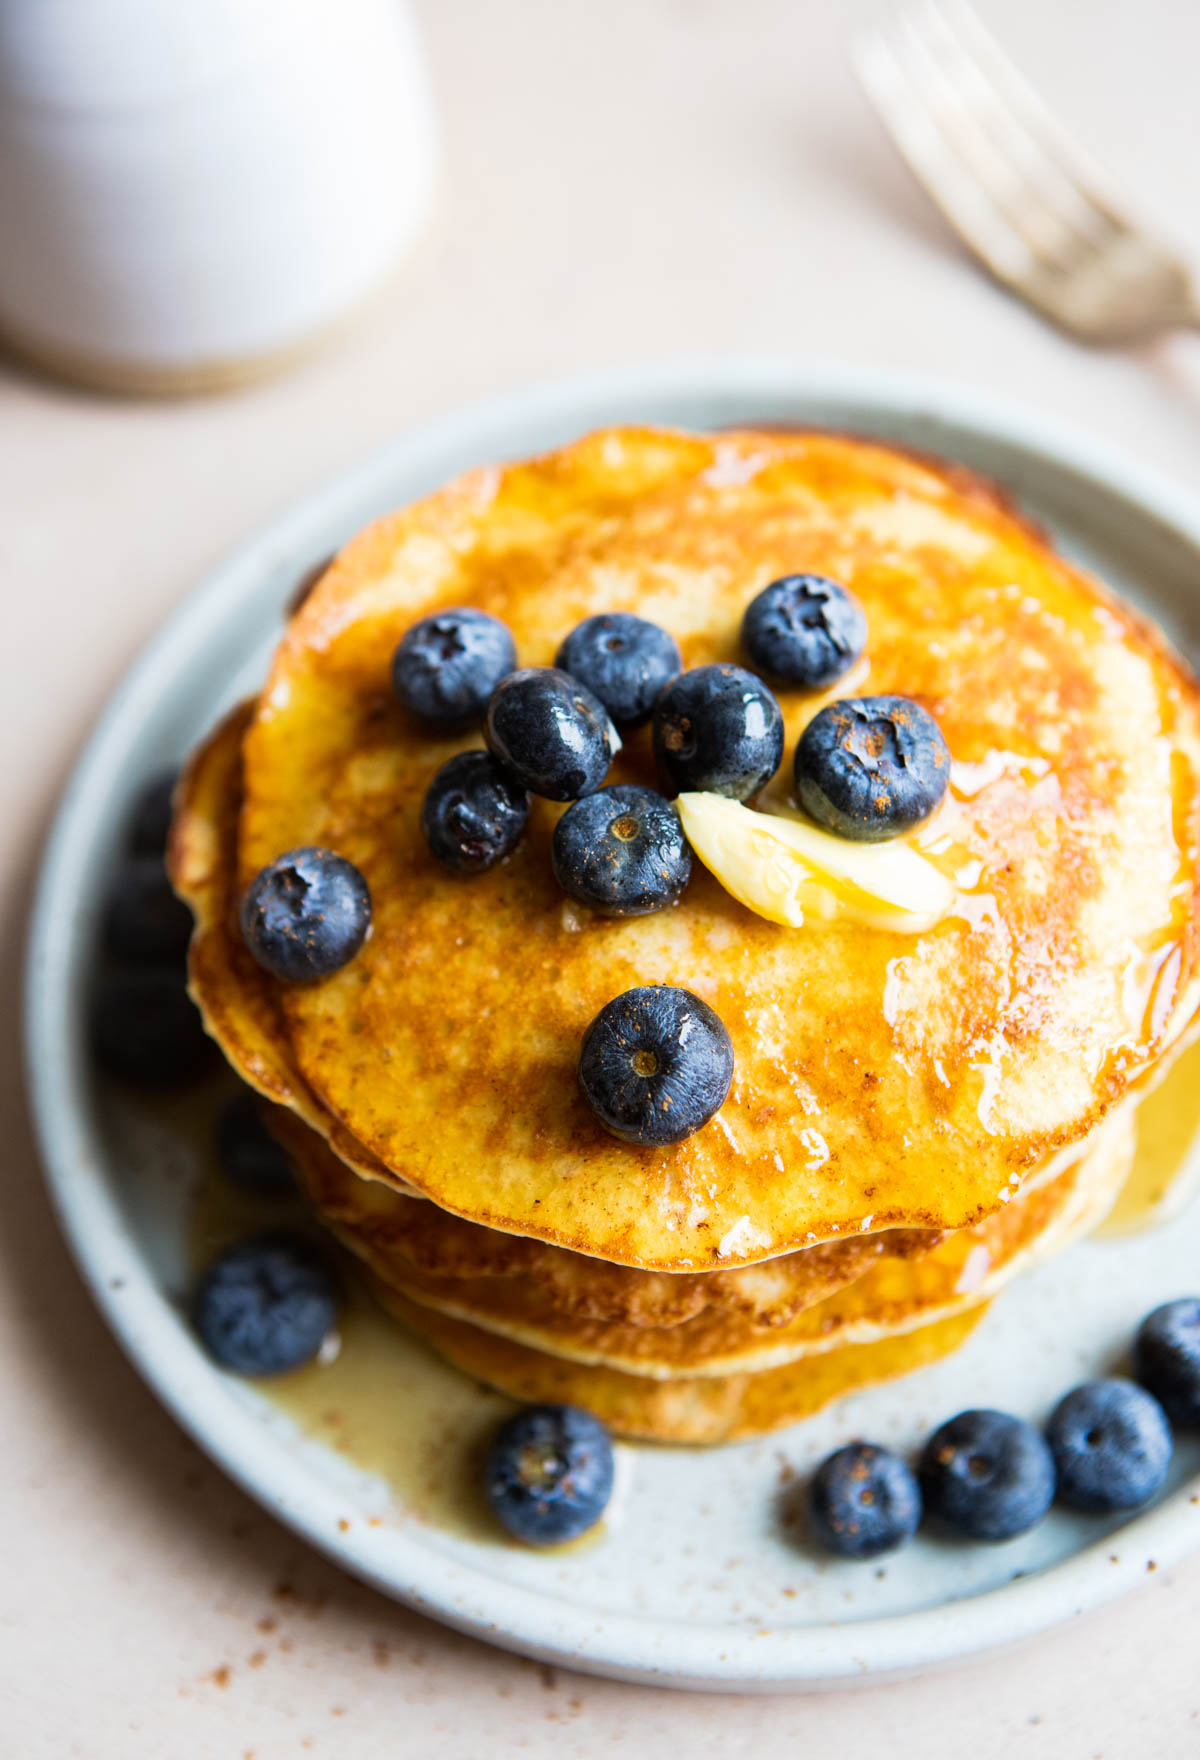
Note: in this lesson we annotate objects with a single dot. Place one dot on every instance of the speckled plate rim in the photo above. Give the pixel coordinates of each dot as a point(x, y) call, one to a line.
point(962, 423)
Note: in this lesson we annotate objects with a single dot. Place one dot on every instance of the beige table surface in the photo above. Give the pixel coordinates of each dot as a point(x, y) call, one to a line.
point(637, 179)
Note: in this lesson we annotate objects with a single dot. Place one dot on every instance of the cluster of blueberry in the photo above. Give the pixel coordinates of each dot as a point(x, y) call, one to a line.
point(143, 1026)
point(656, 1063)
point(866, 768)
point(989, 1476)
point(550, 731)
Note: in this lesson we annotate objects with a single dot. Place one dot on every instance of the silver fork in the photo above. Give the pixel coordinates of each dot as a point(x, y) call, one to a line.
point(1013, 184)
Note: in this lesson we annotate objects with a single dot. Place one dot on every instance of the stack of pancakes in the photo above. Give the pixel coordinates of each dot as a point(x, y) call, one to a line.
point(914, 1118)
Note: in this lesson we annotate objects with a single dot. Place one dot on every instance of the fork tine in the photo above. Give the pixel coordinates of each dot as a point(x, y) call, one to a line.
point(1013, 185)
point(1040, 205)
point(933, 161)
point(1017, 123)
point(1024, 109)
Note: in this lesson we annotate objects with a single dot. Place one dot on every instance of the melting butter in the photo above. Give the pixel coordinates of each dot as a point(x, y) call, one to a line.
point(785, 869)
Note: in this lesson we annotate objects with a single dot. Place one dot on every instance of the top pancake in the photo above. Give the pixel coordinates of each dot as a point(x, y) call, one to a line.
point(882, 1080)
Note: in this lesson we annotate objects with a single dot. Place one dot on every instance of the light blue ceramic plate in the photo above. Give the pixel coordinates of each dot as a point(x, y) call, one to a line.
point(693, 1583)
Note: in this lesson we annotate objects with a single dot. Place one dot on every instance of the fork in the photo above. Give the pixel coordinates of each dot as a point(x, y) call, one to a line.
point(1013, 184)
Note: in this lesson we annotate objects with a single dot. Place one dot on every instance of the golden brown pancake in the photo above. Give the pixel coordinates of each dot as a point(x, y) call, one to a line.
point(723, 1330)
point(882, 1080)
point(702, 1409)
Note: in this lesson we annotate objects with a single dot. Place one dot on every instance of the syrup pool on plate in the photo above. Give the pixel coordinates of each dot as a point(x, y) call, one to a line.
point(376, 1394)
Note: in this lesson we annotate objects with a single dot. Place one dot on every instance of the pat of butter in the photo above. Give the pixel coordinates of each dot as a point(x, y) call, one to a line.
point(788, 871)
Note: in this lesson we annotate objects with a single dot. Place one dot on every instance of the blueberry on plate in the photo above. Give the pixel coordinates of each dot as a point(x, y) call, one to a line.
point(864, 1500)
point(249, 1155)
point(145, 1029)
point(145, 923)
point(474, 813)
point(150, 821)
point(1167, 1358)
point(868, 768)
point(447, 665)
point(622, 851)
point(551, 733)
point(987, 1475)
point(306, 914)
point(623, 660)
point(718, 729)
point(1112, 1446)
point(266, 1305)
point(804, 631)
point(656, 1064)
point(549, 1473)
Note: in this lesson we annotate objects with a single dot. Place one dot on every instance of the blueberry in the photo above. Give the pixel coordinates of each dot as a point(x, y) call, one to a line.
point(656, 1064)
point(804, 631)
point(306, 914)
point(718, 729)
point(145, 923)
point(249, 1154)
point(869, 768)
point(266, 1305)
point(1167, 1358)
point(549, 1473)
point(987, 1475)
point(150, 821)
point(474, 812)
point(623, 660)
point(550, 732)
point(145, 1029)
point(864, 1500)
point(622, 851)
point(1112, 1446)
point(448, 665)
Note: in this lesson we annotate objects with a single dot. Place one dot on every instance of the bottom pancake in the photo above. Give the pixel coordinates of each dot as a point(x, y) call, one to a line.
point(700, 1409)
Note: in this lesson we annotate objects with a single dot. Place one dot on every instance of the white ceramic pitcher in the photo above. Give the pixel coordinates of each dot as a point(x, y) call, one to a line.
point(192, 190)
